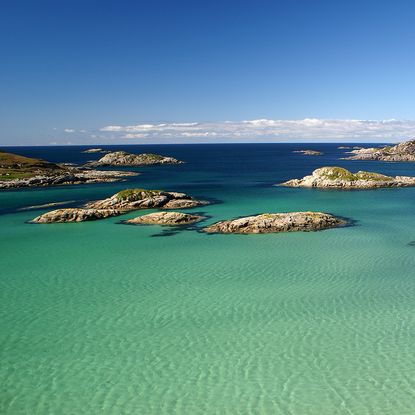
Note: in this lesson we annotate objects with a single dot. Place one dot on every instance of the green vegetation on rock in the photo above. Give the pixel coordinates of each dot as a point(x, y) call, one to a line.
point(136, 194)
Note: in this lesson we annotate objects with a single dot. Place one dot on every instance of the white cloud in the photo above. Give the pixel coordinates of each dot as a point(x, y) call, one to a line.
point(135, 135)
point(69, 130)
point(269, 130)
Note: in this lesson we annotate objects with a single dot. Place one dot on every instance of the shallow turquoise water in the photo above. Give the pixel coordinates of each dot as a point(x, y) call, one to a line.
point(103, 318)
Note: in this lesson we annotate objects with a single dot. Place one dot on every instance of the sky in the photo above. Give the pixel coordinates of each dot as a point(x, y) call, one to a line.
point(183, 71)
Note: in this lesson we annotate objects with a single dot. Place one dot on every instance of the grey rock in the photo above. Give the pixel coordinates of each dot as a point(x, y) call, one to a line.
point(277, 222)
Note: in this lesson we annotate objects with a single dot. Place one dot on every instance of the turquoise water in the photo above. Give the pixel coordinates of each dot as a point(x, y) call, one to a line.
point(103, 318)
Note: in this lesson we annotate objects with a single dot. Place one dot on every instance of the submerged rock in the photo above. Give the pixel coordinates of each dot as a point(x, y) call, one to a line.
point(309, 152)
point(122, 158)
point(165, 218)
point(277, 222)
point(74, 215)
point(400, 152)
point(338, 177)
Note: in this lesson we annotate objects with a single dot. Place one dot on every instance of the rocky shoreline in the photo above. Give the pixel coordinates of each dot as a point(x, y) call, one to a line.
point(340, 178)
point(400, 152)
point(19, 171)
point(277, 222)
point(67, 177)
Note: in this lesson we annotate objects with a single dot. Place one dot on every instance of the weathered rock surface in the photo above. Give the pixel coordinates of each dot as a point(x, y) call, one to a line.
point(121, 202)
point(95, 150)
point(400, 152)
point(74, 215)
point(277, 222)
point(339, 178)
point(133, 199)
point(122, 158)
point(165, 219)
point(66, 177)
point(19, 171)
point(309, 152)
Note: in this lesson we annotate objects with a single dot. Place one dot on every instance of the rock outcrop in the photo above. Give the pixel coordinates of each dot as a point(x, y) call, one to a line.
point(165, 219)
point(122, 158)
point(277, 222)
point(133, 199)
point(309, 152)
point(400, 152)
point(121, 202)
point(340, 178)
point(75, 215)
point(66, 177)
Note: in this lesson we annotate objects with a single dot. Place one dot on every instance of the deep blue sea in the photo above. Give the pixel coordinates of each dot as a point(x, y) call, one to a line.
point(103, 318)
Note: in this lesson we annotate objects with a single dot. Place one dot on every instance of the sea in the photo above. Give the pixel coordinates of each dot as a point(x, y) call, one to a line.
point(103, 318)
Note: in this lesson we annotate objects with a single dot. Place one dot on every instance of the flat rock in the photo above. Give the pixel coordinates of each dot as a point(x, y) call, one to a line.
point(340, 178)
point(165, 218)
point(400, 152)
point(122, 158)
point(74, 215)
point(309, 152)
point(94, 150)
point(277, 222)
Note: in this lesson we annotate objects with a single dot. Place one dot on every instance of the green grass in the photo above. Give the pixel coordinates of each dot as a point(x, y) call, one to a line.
point(334, 173)
point(339, 173)
point(12, 174)
point(14, 166)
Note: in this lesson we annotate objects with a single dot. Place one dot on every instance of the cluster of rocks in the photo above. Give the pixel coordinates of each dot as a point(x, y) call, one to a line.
point(121, 202)
point(340, 178)
point(70, 175)
point(122, 158)
point(135, 199)
point(400, 152)
point(277, 222)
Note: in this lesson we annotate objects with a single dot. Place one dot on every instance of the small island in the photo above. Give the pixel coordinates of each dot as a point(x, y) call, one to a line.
point(277, 222)
point(18, 171)
point(95, 150)
point(122, 158)
point(75, 215)
point(122, 202)
point(309, 152)
point(340, 178)
point(400, 152)
point(165, 219)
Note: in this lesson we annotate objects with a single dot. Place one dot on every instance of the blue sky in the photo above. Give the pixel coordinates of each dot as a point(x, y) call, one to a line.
point(288, 70)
